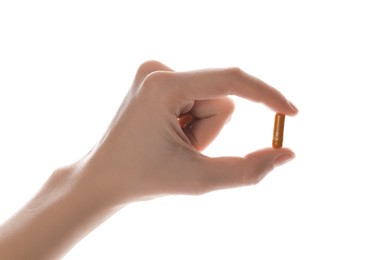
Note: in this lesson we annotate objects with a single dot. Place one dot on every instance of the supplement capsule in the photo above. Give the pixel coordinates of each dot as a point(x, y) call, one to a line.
point(277, 140)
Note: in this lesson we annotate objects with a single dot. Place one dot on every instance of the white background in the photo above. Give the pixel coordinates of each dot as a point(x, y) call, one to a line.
point(66, 65)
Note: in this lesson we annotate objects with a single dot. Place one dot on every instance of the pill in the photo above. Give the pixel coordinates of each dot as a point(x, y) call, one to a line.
point(186, 120)
point(277, 140)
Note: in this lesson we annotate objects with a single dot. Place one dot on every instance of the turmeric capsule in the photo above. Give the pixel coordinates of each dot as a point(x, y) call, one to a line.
point(277, 140)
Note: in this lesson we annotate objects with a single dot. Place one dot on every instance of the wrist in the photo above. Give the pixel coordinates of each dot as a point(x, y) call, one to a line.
point(82, 188)
point(65, 210)
point(78, 206)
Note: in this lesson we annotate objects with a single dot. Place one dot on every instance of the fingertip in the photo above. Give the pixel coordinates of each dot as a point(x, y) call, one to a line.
point(293, 108)
point(269, 158)
point(284, 157)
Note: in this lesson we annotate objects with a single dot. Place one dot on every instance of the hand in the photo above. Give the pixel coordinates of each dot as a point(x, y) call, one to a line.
point(145, 153)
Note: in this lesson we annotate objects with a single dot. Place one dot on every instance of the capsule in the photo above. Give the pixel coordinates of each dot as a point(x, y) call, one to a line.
point(277, 140)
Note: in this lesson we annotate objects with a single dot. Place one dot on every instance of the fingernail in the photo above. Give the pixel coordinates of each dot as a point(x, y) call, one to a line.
point(283, 158)
point(293, 106)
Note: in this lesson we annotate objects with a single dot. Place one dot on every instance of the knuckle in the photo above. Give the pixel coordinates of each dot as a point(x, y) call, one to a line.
point(251, 174)
point(225, 108)
point(154, 80)
point(228, 107)
point(147, 68)
point(234, 71)
point(233, 75)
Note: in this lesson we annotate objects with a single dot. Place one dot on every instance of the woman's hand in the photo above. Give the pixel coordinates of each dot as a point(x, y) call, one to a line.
point(145, 152)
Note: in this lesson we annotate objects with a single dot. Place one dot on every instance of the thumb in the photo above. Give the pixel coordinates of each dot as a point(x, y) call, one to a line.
point(230, 172)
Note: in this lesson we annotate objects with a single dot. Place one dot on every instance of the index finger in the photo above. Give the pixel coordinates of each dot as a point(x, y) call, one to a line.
point(214, 83)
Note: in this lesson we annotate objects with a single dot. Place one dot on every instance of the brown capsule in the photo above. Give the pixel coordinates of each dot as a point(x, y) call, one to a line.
point(277, 140)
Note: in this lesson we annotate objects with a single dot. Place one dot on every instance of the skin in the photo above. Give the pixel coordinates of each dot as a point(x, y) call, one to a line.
point(145, 154)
